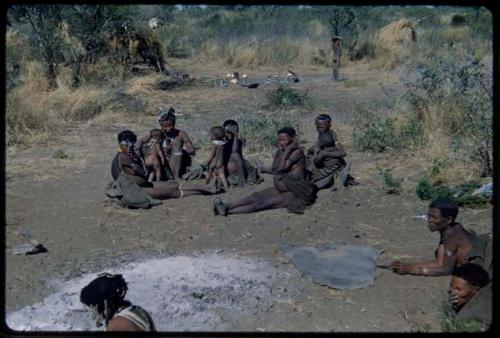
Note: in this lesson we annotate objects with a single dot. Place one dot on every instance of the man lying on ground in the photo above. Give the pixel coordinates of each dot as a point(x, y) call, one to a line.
point(457, 246)
point(470, 293)
point(326, 164)
point(290, 187)
point(105, 295)
point(128, 163)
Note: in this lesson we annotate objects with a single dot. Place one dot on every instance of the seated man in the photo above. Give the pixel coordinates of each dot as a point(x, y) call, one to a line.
point(290, 187)
point(105, 296)
point(326, 164)
point(457, 246)
point(176, 145)
point(127, 162)
point(470, 293)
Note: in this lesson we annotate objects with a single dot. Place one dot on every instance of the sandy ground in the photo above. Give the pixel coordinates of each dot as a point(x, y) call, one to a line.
point(60, 203)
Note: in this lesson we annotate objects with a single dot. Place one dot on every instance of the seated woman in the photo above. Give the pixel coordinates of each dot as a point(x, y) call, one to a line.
point(290, 187)
point(325, 164)
point(177, 147)
point(239, 171)
point(128, 163)
point(105, 296)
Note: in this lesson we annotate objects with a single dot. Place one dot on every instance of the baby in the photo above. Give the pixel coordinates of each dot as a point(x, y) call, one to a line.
point(215, 161)
point(153, 155)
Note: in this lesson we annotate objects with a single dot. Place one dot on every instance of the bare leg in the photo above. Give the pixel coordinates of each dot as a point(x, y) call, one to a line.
point(272, 200)
point(222, 176)
point(240, 168)
point(175, 165)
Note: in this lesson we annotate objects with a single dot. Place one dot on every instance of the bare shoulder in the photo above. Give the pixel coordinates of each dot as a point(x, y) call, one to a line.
point(121, 324)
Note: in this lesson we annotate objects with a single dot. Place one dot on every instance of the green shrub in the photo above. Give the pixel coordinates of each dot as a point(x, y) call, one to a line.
point(374, 133)
point(389, 180)
point(461, 194)
point(450, 322)
point(60, 154)
point(285, 96)
point(261, 130)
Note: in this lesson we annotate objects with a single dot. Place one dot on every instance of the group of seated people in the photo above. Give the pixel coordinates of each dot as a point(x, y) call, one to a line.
point(145, 161)
point(156, 162)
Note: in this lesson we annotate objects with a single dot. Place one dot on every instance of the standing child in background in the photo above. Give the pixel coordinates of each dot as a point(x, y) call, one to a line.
point(215, 161)
point(153, 155)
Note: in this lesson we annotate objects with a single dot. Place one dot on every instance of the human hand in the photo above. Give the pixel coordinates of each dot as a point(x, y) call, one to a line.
point(399, 268)
point(453, 300)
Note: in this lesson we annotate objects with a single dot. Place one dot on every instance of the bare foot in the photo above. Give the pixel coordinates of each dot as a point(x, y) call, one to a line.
point(219, 207)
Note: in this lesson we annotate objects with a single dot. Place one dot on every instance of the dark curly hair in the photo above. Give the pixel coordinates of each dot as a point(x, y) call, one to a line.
point(127, 135)
point(287, 130)
point(106, 293)
point(446, 206)
point(473, 274)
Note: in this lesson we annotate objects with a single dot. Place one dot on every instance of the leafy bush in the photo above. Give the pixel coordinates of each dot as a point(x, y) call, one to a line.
point(461, 194)
point(285, 96)
point(261, 130)
point(374, 133)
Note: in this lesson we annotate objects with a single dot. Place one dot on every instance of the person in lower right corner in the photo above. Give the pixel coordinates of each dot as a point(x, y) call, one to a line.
point(105, 295)
point(457, 246)
point(470, 294)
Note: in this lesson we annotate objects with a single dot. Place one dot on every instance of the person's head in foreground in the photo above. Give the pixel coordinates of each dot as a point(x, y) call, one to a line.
point(126, 140)
point(442, 213)
point(465, 282)
point(323, 123)
point(105, 295)
point(286, 136)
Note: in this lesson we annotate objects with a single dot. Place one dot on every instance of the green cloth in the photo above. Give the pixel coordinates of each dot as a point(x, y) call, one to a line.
point(481, 252)
point(479, 307)
point(126, 193)
point(323, 176)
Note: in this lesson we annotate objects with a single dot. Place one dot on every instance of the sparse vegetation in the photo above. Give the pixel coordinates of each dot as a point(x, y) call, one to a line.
point(285, 97)
point(261, 129)
point(450, 322)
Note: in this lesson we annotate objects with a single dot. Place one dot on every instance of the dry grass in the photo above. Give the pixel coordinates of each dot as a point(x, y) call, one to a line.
point(35, 114)
point(253, 53)
point(395, 42)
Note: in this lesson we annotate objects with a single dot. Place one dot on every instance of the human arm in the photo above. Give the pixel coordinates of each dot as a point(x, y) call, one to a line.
point(187, 142)
point(138, 144)
point(160, 154)
point(442, 266)
point(292, 155)
point(130, 167)
point(337, 152)
point(211, 156)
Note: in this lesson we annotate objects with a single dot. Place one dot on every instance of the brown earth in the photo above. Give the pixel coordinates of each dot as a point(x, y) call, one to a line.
point(60, 202)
